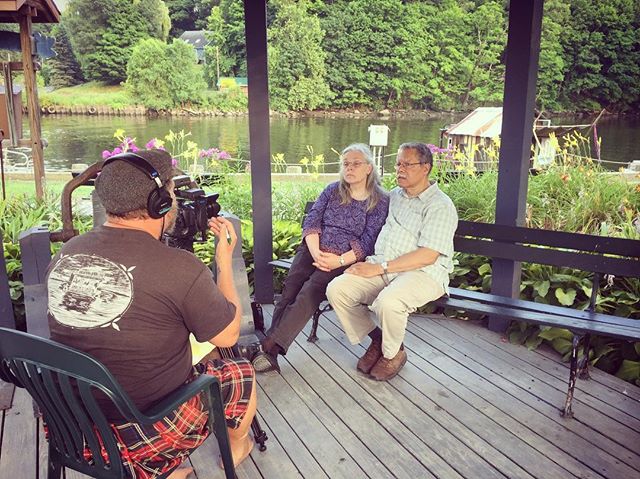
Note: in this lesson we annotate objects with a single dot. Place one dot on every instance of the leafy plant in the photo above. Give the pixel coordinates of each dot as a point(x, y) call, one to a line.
point(314, 163)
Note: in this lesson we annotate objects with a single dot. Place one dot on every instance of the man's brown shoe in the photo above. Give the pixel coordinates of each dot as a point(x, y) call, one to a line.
point(385, 368)
point(370, 357)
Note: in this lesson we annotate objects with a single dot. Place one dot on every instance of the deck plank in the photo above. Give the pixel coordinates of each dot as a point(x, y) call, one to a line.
point(519, 373)
point(447, 443)
point(314, 395)
point(361, 415)
point(205, 459)
point(467, 405)
point(310, 431)
point(583, 442)
point(613, 403)
point(6, 395)
point(533, 454)
point(292, 457)
point(19, 439)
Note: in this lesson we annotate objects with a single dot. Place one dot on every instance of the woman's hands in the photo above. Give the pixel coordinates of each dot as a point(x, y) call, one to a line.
point(326, 261)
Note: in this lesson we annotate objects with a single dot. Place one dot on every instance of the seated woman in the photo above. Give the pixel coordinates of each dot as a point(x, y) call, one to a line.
point(341, 229)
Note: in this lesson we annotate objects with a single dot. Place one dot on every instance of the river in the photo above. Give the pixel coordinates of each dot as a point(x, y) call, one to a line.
point(81, 139)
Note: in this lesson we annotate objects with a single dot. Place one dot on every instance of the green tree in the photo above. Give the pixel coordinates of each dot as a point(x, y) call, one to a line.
point(103, 33)
point(488, 30)
point(188, 15)
point(551, 65)
point(232, 31)
point(296, 61)
point(436, 63)
point(361, 43)
point(602, 52)
point(64, 69)
point(163, 76)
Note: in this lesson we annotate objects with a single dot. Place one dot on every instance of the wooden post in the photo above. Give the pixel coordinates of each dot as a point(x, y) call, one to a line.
point(32, 103)
point(523, 48)
point(255, 17)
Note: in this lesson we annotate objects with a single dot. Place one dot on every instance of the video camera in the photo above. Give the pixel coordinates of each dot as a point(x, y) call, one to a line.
point(195, 208)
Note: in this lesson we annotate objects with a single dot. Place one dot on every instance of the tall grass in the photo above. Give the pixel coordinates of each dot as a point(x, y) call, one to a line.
point(88, 94)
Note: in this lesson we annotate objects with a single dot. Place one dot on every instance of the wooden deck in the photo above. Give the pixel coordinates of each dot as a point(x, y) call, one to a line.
point(467, 405)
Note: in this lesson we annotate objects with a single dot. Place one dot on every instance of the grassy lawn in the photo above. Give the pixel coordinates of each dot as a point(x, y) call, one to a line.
point(88, 94)
point(53, 187)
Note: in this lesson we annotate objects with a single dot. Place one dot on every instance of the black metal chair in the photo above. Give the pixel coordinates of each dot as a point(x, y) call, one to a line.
point(61, 380)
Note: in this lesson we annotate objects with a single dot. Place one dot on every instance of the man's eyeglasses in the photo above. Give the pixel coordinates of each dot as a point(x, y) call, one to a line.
point(404, 165)
point(355, 164)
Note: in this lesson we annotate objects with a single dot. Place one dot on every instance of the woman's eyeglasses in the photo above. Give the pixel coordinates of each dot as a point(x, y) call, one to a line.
point(355, 164)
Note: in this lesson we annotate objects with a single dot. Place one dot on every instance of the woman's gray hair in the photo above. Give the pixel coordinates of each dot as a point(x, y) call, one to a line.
point(373, 187)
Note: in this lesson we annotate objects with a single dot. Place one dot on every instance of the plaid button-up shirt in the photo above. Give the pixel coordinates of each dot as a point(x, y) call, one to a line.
point(428, 220)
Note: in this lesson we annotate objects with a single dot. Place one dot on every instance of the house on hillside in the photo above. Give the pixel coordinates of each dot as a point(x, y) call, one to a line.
point(198, 40)
point(478, 129)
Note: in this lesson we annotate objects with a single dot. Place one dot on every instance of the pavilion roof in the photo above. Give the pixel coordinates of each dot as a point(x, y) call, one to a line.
point(46, 11)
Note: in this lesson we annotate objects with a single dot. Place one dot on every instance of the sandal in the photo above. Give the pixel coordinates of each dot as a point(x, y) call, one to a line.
point(264, 362)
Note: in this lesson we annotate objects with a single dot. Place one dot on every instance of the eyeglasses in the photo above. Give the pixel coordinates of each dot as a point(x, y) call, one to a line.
point(355, 164)
point(405, 165)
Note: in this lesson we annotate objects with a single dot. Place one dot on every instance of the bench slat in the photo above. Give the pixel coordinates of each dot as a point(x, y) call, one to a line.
point(559, 239)
point(458, 293)
point(532, 254)
point(282, 263)
point(623, 330)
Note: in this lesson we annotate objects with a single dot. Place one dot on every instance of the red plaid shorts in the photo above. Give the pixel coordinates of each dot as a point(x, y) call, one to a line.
point(148, 451)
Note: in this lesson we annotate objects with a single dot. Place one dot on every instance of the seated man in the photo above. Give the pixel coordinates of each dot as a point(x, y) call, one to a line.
point(410, 267)
point(123, 296)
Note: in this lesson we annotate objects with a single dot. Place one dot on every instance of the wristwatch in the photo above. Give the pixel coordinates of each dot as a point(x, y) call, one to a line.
point(385, 267)
point(341, 260)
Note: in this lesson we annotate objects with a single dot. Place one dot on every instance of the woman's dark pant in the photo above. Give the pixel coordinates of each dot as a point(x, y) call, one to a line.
point(304, 290)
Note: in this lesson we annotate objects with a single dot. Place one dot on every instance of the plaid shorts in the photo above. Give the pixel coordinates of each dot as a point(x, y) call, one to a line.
point(148, 451)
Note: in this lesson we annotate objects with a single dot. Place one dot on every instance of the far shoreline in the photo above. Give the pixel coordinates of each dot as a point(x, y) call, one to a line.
point(384, 114)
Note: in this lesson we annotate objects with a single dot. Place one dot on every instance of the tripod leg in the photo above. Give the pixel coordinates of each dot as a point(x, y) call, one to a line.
point(258, 434)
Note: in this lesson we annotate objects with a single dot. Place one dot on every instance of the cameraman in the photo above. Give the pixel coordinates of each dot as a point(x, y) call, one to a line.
point(123, 296)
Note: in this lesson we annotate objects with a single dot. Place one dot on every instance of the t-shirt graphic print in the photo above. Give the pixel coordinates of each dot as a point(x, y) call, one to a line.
point(89, 291)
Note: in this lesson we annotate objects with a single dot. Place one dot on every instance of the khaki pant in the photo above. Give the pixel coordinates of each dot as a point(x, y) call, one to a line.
point(392, 302)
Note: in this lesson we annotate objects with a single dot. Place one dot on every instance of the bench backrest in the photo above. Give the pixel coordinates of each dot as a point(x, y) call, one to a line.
point(597, 254)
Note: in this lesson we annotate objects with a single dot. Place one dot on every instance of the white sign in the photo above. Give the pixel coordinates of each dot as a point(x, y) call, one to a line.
point(378, 135)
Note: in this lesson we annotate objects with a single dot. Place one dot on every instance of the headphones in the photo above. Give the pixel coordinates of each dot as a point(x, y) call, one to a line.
point(159, 201)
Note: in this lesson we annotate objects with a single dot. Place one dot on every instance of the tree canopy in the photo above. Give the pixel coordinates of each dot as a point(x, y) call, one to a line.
point(430, 54)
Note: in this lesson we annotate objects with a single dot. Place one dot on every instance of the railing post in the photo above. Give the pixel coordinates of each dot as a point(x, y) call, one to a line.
point(35, 247)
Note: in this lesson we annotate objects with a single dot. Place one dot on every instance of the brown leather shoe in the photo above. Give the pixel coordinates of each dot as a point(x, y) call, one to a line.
point(385, 368)
point(370, 357)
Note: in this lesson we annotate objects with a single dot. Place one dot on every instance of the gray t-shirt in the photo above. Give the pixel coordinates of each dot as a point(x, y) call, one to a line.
point(130, 301)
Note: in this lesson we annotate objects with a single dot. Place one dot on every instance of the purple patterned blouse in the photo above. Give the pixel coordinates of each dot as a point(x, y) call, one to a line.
point(345, 227)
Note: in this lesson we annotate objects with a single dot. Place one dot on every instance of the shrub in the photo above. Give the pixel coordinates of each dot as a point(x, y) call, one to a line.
point(163, 76)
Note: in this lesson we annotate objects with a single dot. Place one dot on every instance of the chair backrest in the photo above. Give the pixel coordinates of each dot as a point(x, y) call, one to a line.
point(62, 381)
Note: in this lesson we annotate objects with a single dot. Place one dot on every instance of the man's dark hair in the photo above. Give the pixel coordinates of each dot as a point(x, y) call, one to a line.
point(422, 150)
point(123, 189)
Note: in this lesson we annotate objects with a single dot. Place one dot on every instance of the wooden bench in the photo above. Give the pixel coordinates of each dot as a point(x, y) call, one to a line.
point(595, 254)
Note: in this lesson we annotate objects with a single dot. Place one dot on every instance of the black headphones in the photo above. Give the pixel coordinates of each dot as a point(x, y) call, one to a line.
point(159, 201)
